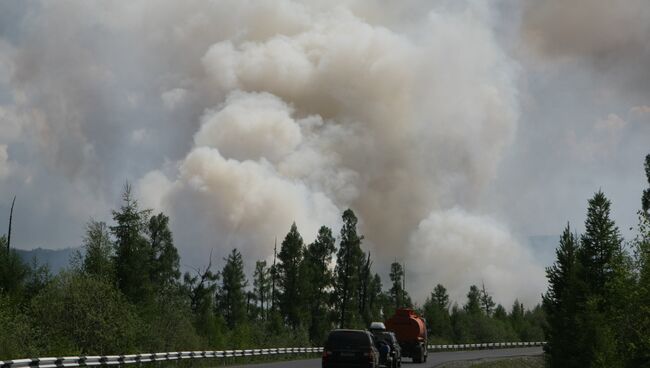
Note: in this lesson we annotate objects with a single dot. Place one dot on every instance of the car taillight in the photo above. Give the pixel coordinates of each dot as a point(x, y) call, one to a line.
point(326, 354)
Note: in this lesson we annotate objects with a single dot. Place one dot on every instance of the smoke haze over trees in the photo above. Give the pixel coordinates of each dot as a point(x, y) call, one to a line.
point(98, 306)
point(246, 118)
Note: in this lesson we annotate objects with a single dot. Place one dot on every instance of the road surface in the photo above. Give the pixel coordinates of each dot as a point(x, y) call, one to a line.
point(434, 359)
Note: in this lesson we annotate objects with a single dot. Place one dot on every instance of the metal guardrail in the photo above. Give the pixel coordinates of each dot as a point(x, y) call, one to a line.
point(490, 345)
point(106, 360)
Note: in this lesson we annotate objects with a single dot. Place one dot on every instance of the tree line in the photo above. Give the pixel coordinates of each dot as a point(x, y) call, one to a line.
point(598, 300)
point(124, 292)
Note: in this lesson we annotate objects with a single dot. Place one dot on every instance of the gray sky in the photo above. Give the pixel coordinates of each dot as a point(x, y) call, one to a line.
point(454, 129)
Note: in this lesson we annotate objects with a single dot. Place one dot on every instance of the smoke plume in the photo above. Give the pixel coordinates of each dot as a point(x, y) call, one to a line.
point(237, 118)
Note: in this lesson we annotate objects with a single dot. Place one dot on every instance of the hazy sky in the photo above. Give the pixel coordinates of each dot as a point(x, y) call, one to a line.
point(454, 129)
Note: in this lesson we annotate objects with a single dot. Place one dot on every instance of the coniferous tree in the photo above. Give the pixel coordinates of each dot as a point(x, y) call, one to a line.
point(436, 312)
point(487, 304)
point(290, 259)
point(365, 280)
point(603, 274)
point(13, 271)
point(98, 252)
point(375, 300)
point(318, 257)
point(262, 287)
point(560, 304)
point(348, 264)
point(201, 289)
point(500, 313)
point(473, 305)
point(640, 335)
point(164, 271)
point(231, 294)
point(132, 250)
point(397, 290)
point(600, 246)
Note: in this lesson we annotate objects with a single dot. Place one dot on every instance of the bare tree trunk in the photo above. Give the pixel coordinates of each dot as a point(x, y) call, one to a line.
point(11, 215)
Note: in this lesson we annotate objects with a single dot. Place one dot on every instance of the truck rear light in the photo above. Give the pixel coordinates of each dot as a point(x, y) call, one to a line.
point(326, 354)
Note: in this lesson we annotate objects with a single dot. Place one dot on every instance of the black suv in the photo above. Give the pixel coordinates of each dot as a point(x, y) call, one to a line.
point(390, 353)
point(350, 348)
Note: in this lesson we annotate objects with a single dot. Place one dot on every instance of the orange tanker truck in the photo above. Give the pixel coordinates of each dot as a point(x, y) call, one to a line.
point(411, 332)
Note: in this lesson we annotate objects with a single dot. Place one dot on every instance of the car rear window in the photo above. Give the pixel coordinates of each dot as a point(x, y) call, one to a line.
point(347, 339)
point(383, 336)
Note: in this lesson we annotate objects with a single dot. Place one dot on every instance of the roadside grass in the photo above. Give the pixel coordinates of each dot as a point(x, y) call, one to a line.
point(519, 362)
point(233, 361)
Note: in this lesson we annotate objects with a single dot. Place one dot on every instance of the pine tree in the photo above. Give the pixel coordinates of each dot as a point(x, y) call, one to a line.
point(290, 257)
point(231, 294)
point(375, 299)
point(318, 257)
point(436, 312)
point(365, 279)
point(601, 245)
point(397, 293)
point(473, 305)
point(164, 260)
point(487, 304)
point(262, 287)
point(604, 273)
point(348, 265)
point(132, 250)
point(560, 304)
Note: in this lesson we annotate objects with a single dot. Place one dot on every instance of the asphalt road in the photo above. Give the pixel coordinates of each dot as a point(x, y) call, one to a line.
point(434, 358)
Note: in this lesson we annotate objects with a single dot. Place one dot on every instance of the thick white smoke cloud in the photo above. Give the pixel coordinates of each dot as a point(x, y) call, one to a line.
point(336, 112)
point(238, 118)
point(456, 249)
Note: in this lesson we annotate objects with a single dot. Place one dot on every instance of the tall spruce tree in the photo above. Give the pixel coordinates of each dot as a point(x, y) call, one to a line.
point(487, 304)
point(318, 257)
point(560, 304)
point(365, 280)
point(290, 257)
point(473, 304)
point(397, 293)
point(132, 250)
point(262, 287)
point(374, 309)
point(436, 312)
point(601, 246)
point(231, 294)
point(164, 259)
point(348, 266)
point(603, 272)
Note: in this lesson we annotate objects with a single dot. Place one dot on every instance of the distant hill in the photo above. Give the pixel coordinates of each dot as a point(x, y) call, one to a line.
point(56, 259)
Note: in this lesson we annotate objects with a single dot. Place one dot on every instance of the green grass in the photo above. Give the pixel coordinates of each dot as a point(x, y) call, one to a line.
point(521, 362)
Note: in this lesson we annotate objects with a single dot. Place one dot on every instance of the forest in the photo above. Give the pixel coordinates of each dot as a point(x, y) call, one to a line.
point(124, 293)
